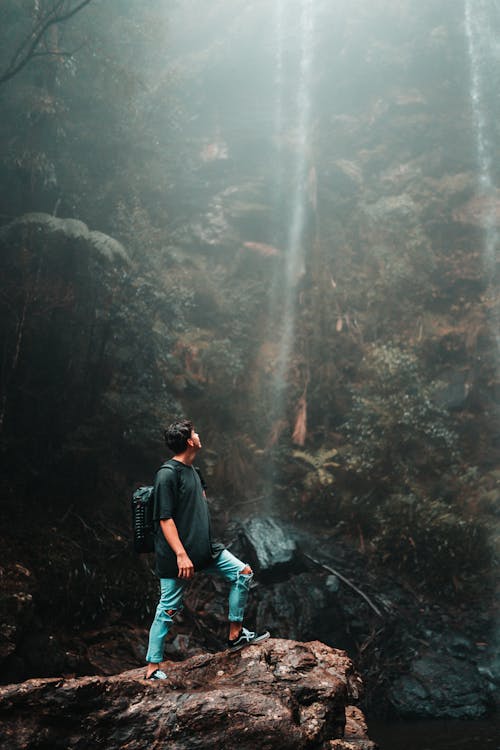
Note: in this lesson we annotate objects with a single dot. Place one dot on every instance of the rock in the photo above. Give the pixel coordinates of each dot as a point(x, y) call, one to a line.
point(112, 649)
point(279, 694)
point(332, 583)
point(452, 391)
point(355, 732)
point(440, 686)
point(303, 608)
point(271, 550)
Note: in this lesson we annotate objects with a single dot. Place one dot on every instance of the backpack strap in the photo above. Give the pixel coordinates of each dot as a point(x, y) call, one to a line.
point(171, 465)
point(176, 468)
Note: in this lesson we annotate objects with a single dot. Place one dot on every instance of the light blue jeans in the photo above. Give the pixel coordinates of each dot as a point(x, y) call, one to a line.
point(226, 566)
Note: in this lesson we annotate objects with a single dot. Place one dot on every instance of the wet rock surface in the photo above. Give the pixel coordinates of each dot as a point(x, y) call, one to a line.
point(381, 624)
point(277, 694)
point(270, 547)
point(440, 686)
point(103, 345)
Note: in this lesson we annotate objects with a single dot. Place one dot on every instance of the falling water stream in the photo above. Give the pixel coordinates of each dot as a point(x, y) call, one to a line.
point(300, 115)
point(293, 45)
point(481, 55)
point(279, 36)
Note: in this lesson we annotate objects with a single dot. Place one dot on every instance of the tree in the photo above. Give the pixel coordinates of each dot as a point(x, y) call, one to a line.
point(37, 42)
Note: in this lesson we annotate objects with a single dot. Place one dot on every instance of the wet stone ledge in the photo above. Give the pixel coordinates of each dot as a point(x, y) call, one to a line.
point(278, 694)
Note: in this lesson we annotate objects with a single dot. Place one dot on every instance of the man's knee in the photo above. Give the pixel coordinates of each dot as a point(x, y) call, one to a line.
point(246, 576)
point(170, 612)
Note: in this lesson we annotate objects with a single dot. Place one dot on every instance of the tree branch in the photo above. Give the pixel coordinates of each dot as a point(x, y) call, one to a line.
point(56, 54)
point(27, 49)
point(347, 582)
point(38, 25)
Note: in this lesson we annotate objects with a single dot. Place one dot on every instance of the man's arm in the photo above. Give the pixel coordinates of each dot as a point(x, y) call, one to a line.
point(169, 529)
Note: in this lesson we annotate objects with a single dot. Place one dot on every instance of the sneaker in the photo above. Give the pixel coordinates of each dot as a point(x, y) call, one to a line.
point(246, 638)
point(158, 674)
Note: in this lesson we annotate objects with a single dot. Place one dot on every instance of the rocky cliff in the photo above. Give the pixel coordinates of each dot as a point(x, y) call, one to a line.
point(344, 376)
point(279, 694)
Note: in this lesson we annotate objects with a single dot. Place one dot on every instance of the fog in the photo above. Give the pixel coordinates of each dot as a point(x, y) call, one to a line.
point(291, 218)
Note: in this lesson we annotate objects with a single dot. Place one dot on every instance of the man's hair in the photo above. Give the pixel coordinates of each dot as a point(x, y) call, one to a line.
point(177, 434)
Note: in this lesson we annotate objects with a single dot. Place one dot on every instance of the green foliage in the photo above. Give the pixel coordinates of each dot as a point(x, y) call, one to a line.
point(79, 130)
point(430, 540)
point(394, 422)
point(319, 465)
point(131, 222)
point(223, 362)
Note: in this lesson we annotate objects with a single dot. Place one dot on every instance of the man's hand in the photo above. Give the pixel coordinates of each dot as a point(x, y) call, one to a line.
point(186, 567)
point(184, 564)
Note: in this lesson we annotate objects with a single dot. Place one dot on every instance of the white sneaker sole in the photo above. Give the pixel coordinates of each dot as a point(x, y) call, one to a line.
point(259, 639)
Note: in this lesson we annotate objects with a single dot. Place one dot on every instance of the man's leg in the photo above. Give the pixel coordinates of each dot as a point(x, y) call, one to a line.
point(172, 591)
point(240, 575)
point(238, 595)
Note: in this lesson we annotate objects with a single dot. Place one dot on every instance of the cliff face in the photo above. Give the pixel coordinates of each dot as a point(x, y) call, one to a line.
point(300, 266)
point(279, 694)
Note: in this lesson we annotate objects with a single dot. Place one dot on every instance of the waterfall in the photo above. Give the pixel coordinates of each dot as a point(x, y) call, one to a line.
point(279, 21)
point(481, 55)
point(299, 112)
point(483, 50)
point(292, 125)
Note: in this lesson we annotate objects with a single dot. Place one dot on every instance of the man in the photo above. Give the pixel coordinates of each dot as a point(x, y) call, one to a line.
point(184, 545)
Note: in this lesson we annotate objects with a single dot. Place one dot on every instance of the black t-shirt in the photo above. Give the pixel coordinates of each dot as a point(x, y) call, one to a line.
point(179, 495)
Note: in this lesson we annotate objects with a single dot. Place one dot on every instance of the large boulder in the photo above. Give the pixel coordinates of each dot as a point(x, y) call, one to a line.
point(440, 686)
point(278, 694)
point(304, 607)
point(270, 548)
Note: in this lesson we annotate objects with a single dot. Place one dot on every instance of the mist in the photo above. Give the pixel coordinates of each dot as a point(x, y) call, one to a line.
point(282, 221)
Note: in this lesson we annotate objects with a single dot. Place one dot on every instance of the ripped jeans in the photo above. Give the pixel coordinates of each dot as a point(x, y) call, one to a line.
point(226, 566)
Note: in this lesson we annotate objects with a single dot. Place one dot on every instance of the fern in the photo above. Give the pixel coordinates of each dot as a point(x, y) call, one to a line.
point(320, 464)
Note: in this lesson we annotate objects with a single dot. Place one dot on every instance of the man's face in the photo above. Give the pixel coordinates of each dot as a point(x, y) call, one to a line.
point(195, 439)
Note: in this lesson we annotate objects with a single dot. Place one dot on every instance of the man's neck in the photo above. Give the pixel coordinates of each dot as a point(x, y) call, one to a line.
point(186, 458)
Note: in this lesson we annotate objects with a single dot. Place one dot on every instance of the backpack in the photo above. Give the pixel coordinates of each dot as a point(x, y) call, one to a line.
point(142, 515)
point(142, 519)
point(143, 526)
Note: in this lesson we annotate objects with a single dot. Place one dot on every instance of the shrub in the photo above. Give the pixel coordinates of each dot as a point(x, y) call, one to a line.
point(394, 427)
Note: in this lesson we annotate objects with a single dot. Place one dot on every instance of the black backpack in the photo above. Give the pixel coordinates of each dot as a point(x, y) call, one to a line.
point(142, 515)
point(142, 519)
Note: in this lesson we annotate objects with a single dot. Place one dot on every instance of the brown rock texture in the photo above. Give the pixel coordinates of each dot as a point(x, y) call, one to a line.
point(278, 694)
